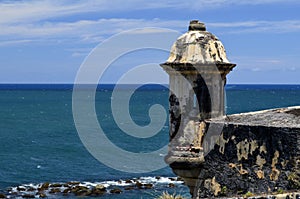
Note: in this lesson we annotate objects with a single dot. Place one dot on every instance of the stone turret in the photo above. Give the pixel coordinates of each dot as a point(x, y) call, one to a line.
point(200, 58)
point(218, 155)
point(197, 68)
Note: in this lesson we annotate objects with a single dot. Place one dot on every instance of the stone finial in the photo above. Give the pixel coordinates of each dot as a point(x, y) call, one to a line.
point(197, 25)
point(197, 46)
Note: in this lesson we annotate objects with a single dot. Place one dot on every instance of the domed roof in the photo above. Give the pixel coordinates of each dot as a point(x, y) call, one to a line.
point(197, 46)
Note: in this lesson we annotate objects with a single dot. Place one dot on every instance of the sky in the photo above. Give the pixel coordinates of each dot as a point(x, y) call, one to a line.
point(47, 41)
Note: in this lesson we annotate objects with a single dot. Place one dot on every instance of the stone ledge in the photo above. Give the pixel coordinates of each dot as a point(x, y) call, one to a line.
point(281, 117)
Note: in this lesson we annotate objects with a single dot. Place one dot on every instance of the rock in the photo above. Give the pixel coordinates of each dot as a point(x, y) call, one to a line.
point(78, 187)
point(128, 181)
point(100, 187)
point(157, 177)
point(116, 191)
point(148, 186)
point(65, 194)
point(171, 185)
point(21, 189)
point(28, 196)
point(56, 185)
point(14, 193)
point(66, 191)
point(73, 183)
point(2, 195)
point(81, 191)
point(42, 195)
point(138, 184)
point(45, 185)
point(97, 192)
point(31, 189)
point(179, 179)
point(129, 188)
point(54, 190)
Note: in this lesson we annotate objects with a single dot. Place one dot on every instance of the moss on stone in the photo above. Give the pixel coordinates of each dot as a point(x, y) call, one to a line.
point(248, 194)
point(294, 180)
point(224, 191)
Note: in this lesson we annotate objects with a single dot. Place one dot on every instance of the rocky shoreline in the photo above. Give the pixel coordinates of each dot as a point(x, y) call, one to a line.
point(86, 189)
point(83, 189)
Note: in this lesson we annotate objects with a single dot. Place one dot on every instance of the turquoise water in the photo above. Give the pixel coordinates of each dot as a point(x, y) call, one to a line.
point(39, 141)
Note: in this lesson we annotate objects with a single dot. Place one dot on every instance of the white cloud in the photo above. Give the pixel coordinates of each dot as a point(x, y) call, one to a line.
point(34, 20)
point(32, 11)
point(84, 30)
point(14, 42)
point(259, 26)
point(94, 31)
point(79, 52)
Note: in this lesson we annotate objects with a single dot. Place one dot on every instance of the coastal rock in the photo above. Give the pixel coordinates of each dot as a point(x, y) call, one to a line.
point(148, 186)
point(28, 196)
point(54, 191)
point(129, 188)
point(80, 190)
point(42, 195)
point(66, 191)
point(128, 181)
point(21, 189)
point(98, 192)
point(56, 185)
point(100, 187)
point(31, 189)
point(72, 183)
point(116, 191)
point(139, 185)
point(45, 185)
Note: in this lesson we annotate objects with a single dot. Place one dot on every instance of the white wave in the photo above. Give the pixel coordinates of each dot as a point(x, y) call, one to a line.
point(155, 181)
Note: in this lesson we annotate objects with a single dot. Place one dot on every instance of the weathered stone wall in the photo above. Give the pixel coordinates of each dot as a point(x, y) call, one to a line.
point(256, 152)
point(253, 159)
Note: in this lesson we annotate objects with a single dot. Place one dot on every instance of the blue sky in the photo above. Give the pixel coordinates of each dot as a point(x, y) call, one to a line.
point(46, 41)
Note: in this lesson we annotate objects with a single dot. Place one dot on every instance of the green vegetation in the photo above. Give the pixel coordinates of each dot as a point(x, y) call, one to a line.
point(166, 195)
point(294, 180)
point(280, 191)
point(224, 191)
point(248, 194)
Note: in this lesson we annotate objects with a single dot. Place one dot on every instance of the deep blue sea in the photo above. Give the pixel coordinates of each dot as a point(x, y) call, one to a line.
point(39, 142)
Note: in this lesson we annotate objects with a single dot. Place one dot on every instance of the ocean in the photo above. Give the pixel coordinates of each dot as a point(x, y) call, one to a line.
point(39, 141)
